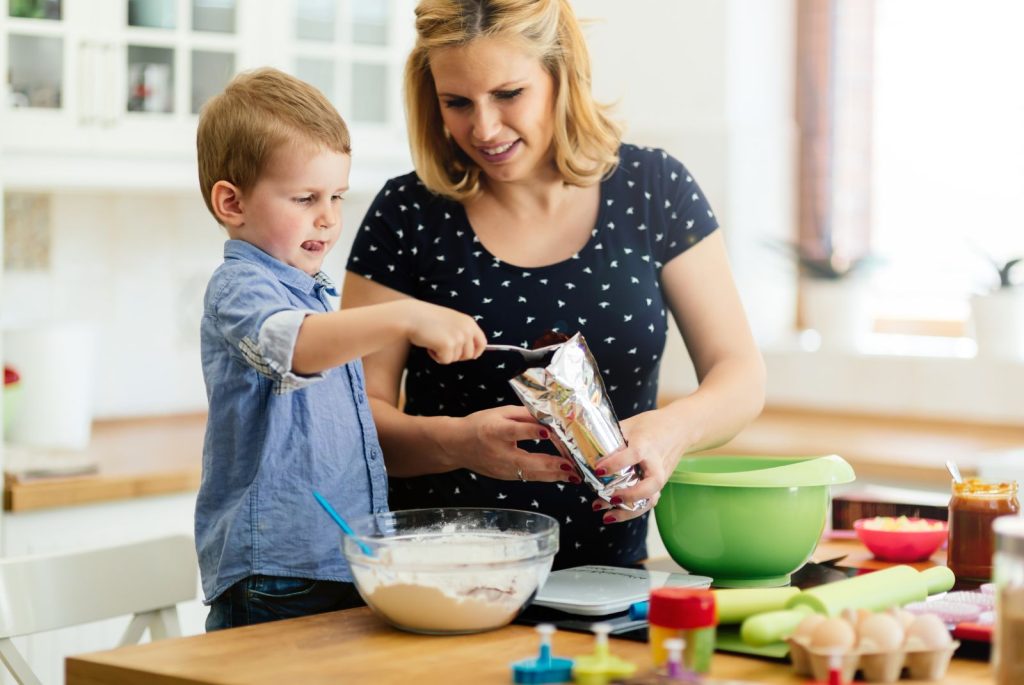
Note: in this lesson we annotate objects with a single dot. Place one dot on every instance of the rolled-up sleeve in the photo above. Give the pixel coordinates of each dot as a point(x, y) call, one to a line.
point(253, 315)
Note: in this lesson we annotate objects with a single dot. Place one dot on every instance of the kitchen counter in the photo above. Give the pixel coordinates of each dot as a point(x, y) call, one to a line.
point(162, 455)
point(132, 458)
point(356, 647)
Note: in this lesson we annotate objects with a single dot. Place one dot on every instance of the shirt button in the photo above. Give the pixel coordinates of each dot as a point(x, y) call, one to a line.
point(373, 454)
point(360, 397)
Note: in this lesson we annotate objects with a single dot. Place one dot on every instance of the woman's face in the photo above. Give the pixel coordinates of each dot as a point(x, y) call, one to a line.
point(497, 101)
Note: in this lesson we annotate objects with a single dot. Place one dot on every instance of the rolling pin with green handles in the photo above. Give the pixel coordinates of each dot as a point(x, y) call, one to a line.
point(894, 586)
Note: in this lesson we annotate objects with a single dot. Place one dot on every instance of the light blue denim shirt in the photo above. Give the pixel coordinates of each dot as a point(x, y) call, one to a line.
point(272, 436)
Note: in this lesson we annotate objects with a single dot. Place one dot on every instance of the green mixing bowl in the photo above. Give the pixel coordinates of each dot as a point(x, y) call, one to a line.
point(747, 521)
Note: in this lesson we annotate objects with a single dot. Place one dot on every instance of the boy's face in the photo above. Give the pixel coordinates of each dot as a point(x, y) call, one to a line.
point(293, 213)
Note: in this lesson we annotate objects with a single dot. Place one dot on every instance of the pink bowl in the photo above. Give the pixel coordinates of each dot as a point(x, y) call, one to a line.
point(901, 545)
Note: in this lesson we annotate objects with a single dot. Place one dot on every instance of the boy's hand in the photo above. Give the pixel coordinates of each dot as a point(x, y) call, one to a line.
point(448, 336)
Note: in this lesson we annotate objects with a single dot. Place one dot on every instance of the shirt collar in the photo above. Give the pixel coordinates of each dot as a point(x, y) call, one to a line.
point(289, 275)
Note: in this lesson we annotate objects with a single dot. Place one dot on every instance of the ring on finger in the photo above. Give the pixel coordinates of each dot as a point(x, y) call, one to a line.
point(519, 474)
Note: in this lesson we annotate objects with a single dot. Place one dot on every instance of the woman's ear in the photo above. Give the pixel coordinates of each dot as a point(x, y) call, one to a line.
point(226, 199)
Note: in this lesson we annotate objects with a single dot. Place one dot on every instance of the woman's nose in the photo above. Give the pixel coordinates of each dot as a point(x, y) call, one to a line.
point(486, 124)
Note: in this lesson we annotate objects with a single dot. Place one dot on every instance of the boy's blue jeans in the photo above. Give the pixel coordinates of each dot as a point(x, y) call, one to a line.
point(259, 599)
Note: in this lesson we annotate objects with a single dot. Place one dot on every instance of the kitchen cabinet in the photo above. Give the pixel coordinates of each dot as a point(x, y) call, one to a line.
point(105, 93)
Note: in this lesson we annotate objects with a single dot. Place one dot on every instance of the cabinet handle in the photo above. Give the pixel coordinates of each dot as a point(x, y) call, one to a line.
point(86, 91)
point(111, 103)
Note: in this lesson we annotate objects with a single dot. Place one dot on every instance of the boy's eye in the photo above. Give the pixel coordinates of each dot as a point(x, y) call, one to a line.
point(508, 94)
point(304, 200)
point(455, 103)
point(337, 198)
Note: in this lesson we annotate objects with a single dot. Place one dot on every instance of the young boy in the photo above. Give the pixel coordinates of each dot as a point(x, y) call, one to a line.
point(288, 407)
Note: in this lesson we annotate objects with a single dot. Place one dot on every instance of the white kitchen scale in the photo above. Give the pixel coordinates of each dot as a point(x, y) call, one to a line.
point(600, 590)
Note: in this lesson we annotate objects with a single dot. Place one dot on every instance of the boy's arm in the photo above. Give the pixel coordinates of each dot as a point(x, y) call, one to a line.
point(334, 338)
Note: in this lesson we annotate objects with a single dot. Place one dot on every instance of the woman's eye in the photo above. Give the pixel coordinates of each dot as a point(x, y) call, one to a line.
point(508, 94)
point(337, 198)
point(456, 103)
point(304, 200)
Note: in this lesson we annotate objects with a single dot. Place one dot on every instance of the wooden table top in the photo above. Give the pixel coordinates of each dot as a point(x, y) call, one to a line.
point(356, 647)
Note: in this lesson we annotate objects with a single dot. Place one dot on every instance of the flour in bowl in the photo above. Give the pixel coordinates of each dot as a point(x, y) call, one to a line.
point(449, 582)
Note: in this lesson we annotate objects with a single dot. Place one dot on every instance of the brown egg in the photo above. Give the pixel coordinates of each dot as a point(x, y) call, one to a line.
point(834, 634)
point(905, 617)
point(928, 632)
point(805, 630)
point(855, 616)
point(879, 633)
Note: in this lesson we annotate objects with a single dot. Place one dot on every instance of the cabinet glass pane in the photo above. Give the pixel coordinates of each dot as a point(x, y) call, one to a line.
point(319, 73)
point(35, 9)
point(211, 71)
point(315, 20)
point(369, 22)
point(213, 15)
point(157, 14)
point(35, 71)
point(150, 79)
point(370, 93)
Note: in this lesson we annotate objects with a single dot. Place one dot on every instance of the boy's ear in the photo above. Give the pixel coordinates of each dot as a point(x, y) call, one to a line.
point(226, 199)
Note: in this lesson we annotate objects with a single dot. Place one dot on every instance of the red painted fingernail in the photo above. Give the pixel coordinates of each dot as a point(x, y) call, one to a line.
point(601, 472)
point(609, 519)
point(543, 434)
point(565, 467)
point(598, 506)
point(616, 500)
point(575, 480)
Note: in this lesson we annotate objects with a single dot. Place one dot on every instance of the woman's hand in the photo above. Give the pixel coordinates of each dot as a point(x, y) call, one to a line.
point(654, 443)
point(485, 443)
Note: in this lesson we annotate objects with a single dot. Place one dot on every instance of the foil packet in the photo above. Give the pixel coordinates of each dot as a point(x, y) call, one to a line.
point(568, 396)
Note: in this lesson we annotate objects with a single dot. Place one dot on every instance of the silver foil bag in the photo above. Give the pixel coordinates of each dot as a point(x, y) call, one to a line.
point(568, 396)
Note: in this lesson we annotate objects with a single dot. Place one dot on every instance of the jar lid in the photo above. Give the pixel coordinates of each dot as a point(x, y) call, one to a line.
point(681, 608)
point(1009, 534)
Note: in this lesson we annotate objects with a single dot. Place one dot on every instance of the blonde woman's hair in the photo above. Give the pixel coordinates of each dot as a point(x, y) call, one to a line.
point(586, 139)
point(259, 112)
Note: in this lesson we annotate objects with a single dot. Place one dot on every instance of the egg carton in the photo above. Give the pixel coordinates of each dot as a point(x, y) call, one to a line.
point(876, 667)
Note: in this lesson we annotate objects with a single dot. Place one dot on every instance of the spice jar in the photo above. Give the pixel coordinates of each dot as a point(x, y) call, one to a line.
point(973, 507)
point(1008, 640)
point(687, 614)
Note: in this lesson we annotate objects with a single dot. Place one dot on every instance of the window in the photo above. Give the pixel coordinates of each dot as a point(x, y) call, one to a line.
point(922, 160)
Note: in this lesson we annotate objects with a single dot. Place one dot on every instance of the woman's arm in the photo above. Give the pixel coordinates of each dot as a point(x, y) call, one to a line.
point(484, 442)
point(700, 292)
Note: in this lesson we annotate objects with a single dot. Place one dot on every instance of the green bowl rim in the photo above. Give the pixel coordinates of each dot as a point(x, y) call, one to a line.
point(800, 471)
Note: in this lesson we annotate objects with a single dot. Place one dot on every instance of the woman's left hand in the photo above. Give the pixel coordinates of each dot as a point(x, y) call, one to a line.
point(656, 448)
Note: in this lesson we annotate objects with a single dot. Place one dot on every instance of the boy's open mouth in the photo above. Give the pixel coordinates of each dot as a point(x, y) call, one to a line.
point(313, 246)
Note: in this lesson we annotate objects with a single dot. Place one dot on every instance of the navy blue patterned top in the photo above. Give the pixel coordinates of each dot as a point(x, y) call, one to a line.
point(422, 244)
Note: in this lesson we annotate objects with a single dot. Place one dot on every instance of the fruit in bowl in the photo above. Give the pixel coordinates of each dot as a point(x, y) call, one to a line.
point(903, 539)
point(450, 570)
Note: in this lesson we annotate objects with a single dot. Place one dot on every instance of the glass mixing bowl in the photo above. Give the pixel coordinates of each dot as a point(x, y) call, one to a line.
point(451, 570)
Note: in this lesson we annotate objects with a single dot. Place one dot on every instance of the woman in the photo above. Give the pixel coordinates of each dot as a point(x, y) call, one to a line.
point(527, 212)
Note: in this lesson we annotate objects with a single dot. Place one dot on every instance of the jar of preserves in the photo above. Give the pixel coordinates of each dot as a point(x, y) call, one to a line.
point(1008, 640)
point(975, 504)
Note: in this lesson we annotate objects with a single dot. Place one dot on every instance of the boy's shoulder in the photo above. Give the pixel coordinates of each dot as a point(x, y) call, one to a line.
point(233, 274)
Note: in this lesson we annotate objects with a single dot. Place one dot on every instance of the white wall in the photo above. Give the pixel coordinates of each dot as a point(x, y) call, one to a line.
point(712, 83)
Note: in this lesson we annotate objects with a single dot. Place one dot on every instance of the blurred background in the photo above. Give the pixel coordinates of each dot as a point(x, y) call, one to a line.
point(822, 131)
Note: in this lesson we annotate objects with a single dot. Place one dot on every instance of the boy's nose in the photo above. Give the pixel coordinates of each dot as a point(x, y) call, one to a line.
point(328, 217)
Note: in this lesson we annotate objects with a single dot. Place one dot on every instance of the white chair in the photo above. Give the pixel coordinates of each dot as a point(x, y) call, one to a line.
point(51, 591)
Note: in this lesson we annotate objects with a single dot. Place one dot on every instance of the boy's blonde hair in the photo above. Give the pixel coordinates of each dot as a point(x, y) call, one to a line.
point(258, 112)
point(586, 140)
